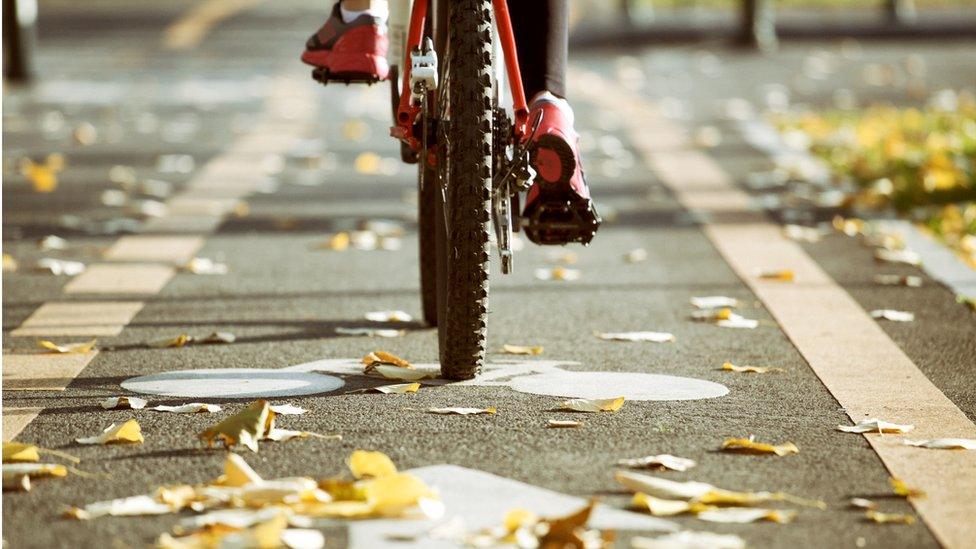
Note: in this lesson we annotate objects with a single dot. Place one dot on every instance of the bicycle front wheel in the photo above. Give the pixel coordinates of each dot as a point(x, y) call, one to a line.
point(463, 299)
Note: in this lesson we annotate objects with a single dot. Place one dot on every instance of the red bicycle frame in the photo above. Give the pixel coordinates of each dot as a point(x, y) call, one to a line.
point(407, 113)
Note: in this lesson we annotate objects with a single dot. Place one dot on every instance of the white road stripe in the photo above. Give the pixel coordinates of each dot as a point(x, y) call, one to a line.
point(860, 365)
point(232, 175)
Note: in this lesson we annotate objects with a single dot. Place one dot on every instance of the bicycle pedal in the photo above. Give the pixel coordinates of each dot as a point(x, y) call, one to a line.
point(559, 222)
point(324, 77)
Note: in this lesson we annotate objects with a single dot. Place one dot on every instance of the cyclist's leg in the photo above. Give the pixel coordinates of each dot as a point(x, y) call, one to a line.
point(558, 204)
point(541, 30)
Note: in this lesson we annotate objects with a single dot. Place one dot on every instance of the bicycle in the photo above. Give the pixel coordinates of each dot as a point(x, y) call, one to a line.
point(473, 161)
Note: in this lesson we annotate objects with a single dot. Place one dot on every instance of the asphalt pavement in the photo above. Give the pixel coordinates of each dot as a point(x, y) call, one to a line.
point(284, 298)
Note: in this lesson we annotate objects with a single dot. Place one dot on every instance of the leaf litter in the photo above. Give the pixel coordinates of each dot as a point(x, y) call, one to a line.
point(127, 432)
point(944, 443)
point(557, 274)
point(522, 350)
point(398, 389)
point(652, 337)
point(59, 267)
point(68, 348)
point(892, 315)
point(660, 462)
point(191, 408)
point(750, 446)
point(728, 366)
point(874, 425)
point(687, 539)
point(132, 403)
point(253, 424)
point(461, 411)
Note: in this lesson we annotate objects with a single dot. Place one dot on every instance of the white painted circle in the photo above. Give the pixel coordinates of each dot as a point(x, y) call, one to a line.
point(233, 383)
point(633, 386)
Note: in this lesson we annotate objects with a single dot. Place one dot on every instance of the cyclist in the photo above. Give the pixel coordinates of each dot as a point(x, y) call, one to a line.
point(353, 41)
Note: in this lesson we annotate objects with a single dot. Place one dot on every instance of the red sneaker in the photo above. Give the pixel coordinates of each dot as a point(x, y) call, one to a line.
point(558, 209)
point(354, 51)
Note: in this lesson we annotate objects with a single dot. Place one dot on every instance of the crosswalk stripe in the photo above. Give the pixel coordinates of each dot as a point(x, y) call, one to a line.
point(125, 279)
point(160, 249)
point(79, 318)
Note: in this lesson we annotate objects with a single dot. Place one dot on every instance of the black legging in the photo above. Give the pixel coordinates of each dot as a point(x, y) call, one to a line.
point(542, 38)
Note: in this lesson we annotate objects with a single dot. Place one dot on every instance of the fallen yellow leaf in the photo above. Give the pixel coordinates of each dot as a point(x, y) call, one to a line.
point(888, 518)
point(10, 264)
point(128, 432)
point(593, 405)
point(366, 464)
point(702, 492)
point(399, 388)
point(665, 507)
point(377, 358)
point(662, 461)
point(462, 411)
point(237, 472)
point(20, 452)
point(246, 427)
point(750, 446)
point(521, 350)
point(67, 348)
point(338, 242)
point(749, 369)
point(17, 451)
point(178, 341)
point(43, 177)
point(563, 423)
point(400, 373)
point(784, 275)
point(568, 531)
point(904, 490)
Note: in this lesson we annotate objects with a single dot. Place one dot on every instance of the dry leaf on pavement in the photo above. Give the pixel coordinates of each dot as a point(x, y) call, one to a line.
point(888, 518)
point(388, 316)
point(702, 492)
point(750, 446)
point(287, 409)
point(10, 264)
point(191, 408)
point(910, 281)
point(908, 257)
point(653, 337)
point(801, 233)
point(123, 507)
point(246, 427)
point(944, 443)
point(899, 487)
point(283, 435)
point(59, 267)
point(205, 266)
point(744, 515)
point(687, 539)
point(370, 332)
point(782, 275)
point(557, 274)
point(461, 411)
point(565, 258)
point(567, 532)
point(67, 348)
point(861, 503)
point(874, 425)
point(521, 350)
point(133, 403)
point(661, 461)
point(892, 315)
point(180, 340)
point(401, 374)
point(750, 369)
point(215, 338)
point(16, 476)
point(377, 358)
point(128, 432)
point(52, 242)
point(714, 302)
point(563, 424)
point(593, 405)
point(366, 464)
point(19, 452)
point(398, 389)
